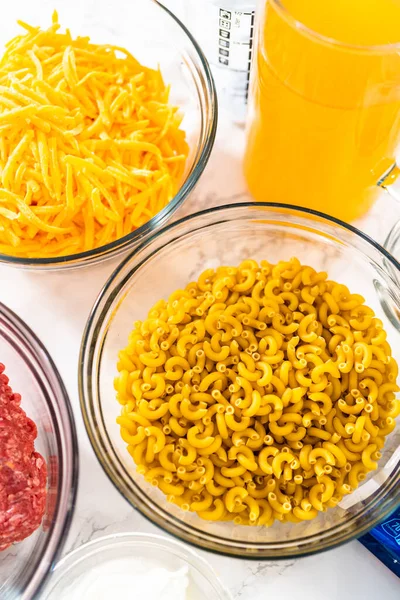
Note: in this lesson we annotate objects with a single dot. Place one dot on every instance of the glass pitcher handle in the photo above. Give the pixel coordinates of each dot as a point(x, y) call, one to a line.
point(390, 182)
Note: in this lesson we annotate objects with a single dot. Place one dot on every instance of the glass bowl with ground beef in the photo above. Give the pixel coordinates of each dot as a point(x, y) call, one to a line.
point(38, 460)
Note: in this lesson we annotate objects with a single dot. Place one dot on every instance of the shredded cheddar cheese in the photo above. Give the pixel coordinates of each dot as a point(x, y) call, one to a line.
point(90, 148)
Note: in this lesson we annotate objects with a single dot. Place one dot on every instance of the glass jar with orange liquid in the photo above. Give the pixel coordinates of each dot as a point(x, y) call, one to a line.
point(324, 118)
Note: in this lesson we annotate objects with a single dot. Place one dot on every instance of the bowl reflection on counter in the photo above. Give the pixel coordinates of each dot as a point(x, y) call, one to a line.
point(168, 261)
point(24, 566)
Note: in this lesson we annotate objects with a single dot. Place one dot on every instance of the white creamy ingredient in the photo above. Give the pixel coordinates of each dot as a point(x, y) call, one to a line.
point(127, 578)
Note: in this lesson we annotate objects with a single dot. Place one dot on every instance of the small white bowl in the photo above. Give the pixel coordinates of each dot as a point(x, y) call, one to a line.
point(161, 552)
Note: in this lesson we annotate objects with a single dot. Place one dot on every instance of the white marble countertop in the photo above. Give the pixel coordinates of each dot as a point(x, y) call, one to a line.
point(56, 306)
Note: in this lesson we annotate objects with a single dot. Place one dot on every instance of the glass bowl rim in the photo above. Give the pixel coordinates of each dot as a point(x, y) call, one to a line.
point(96, 317)
point(93, 547)
point(110, 249)
point(392, 240)
point(34, 344)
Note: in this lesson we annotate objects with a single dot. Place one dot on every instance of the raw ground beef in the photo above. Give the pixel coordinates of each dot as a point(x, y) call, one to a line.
point(23, 472)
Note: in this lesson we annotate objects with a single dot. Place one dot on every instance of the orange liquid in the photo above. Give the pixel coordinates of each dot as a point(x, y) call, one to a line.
point(324, 118)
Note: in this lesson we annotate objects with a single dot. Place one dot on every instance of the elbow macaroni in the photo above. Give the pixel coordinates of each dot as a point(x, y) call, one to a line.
point(258, 393)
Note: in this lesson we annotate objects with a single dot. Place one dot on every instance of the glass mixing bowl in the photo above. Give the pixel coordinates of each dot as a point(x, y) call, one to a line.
point(168, 261)
point(157, 39)
point(156, 550)
point(392, 243)
point(32, 373)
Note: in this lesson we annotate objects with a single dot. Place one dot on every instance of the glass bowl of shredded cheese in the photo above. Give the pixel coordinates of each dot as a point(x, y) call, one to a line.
point(256, 436)
point(27, 557)
point(107, 119)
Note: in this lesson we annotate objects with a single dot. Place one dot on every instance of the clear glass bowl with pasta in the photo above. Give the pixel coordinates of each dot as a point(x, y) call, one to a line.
point(170, 260)
point(157, 39)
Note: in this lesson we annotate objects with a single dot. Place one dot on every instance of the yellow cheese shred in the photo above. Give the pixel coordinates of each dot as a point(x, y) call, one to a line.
point(90, 148)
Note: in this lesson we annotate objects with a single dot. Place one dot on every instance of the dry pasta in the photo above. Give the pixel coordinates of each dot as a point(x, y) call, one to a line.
point(258, 393)
point(90, 148)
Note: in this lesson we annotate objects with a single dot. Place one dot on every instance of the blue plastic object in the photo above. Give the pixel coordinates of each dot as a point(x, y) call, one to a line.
point(384, 542)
